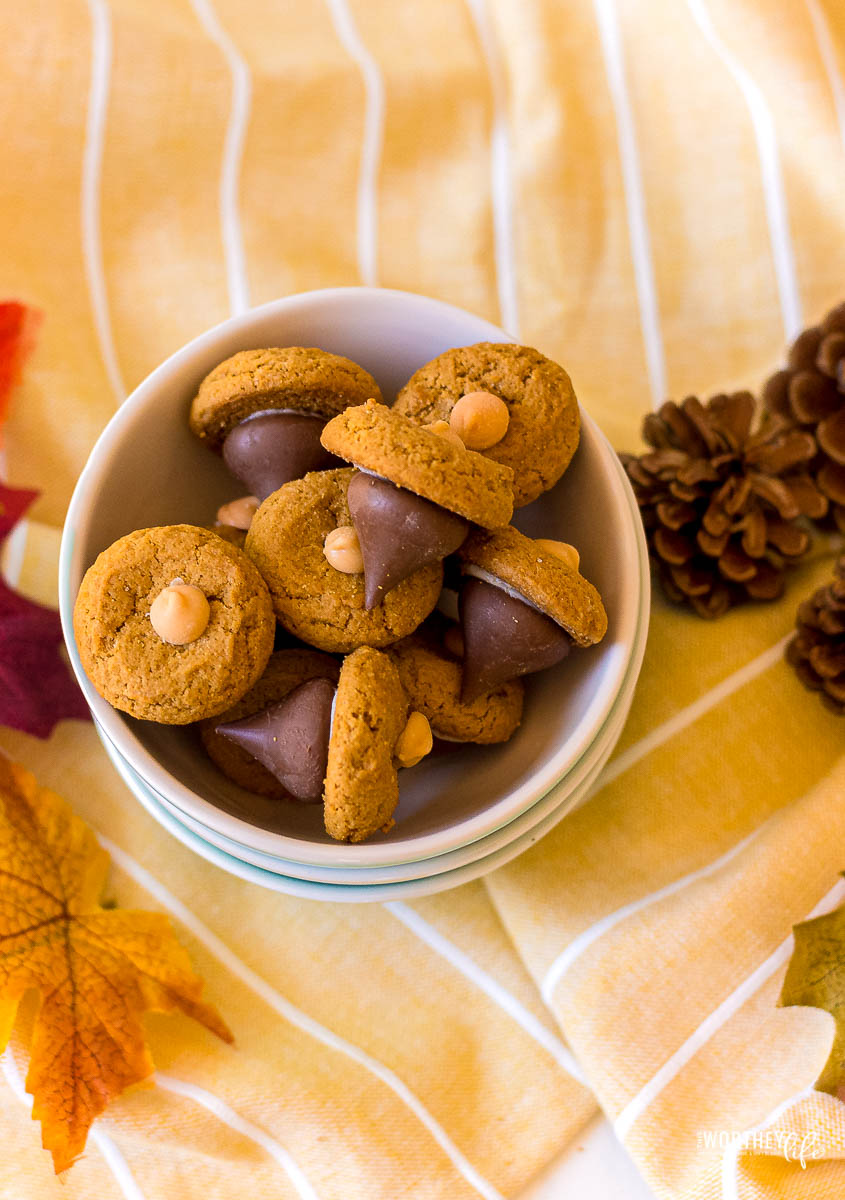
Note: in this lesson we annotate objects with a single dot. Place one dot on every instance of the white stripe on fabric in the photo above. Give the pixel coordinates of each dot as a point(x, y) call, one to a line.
point(370, 162)
point(500, 171)
point(562, 1055)
point(296, 1016)
point(221, 1110)
point(233, 149)
point(14, 552)
point(689, 715)
point(585, 939)
point(638, 231)
point(92, 159)
point(769, 155)
point(113, 1158)
point(731, 1005)
point(730, 1159)
point(828, 56)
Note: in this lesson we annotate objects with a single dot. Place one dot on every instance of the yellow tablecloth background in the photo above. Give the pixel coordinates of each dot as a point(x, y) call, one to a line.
point(652, 193)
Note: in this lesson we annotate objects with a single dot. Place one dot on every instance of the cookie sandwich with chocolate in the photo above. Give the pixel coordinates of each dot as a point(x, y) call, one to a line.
point(339, 742)
point(416, 493)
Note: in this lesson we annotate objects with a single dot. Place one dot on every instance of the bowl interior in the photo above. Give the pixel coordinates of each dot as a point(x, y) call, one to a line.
point(147, 469)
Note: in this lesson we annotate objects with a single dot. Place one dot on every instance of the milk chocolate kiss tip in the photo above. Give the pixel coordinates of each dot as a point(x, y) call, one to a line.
point(399, 532)
point(291, 738)
point(269, 449)
point(504, 637)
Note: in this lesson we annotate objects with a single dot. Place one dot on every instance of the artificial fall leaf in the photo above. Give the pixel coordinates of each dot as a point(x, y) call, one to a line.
point(18, 327)
point(36, 687)
point(816, 977)
point(97, 970)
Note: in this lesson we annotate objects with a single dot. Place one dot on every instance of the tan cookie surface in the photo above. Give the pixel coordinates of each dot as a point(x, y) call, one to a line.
point(321, 605)
point(296, 377)
point(362, 788)
point(285, 670)
point(432, 681)
point(544, 426)
point(388, 444)
point(546, 580)
point(128, 662)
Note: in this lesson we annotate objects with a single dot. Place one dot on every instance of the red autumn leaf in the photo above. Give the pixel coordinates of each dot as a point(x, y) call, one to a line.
point(36, 688)
point(18, 327)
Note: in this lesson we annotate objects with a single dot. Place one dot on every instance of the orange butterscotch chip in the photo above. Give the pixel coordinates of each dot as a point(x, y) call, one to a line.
point(180, 614)
point(480, 420)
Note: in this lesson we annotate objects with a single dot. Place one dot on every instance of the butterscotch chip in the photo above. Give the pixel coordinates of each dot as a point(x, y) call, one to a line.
point(371, 710)
point(382, 441)
point(300, 378)
point(562, 550)
point(127, 661)
point(179, 614)
point(319, 604)
point(480, 420)
point(343, 550)
point(432, 680)
point(415, 741)
point(544, 425)
point(548, 582)
point(238, 513)
point(285, 670)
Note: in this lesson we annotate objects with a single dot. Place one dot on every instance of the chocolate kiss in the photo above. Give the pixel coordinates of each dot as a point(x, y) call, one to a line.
point(399, 532)
point(273, 448)
point(291, 738)
point(504, 637)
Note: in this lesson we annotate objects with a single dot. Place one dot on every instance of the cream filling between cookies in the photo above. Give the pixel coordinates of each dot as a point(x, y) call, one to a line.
point(281, 412)
point(331, 715)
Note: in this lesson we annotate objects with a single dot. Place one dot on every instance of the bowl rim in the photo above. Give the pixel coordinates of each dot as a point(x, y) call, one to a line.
point(369, 893)
point(394, 851)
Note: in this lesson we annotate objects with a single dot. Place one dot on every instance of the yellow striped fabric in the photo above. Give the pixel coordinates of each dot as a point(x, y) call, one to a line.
point(650, 193)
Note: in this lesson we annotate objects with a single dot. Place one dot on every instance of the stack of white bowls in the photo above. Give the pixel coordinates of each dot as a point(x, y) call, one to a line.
point(465, 809)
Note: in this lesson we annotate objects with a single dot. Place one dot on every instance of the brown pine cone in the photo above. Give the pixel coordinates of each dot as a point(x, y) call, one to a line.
point(817, 652)
point(719, 498)
point(810, 391)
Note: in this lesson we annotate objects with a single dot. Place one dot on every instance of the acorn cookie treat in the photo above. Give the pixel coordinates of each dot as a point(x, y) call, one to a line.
point(430, 667)
point(264, 410)
point(285, 670)
point(304, 544)
point(173, 624)
point(508, 402)
point(523, 604)
point(415, 495)
point(340, 743)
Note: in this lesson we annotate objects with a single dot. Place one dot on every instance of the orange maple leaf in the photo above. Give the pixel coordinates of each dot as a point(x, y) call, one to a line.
point(97, 970)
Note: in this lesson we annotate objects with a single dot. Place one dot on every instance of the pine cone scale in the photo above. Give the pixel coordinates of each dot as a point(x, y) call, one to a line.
point(718, 492)
point(817, 651)
point(830, 434)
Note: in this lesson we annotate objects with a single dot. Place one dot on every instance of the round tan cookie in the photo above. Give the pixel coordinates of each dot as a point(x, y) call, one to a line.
point(361, 789)
point(319, 604)
point(285, 670)
point(544, 425)
point(382, 441)
point(125, 658)
point(431, 677)
point(558, 590)
point(293, 377)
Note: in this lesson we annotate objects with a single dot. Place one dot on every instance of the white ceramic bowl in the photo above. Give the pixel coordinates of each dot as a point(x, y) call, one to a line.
point(571, 791)
point(147, 469)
